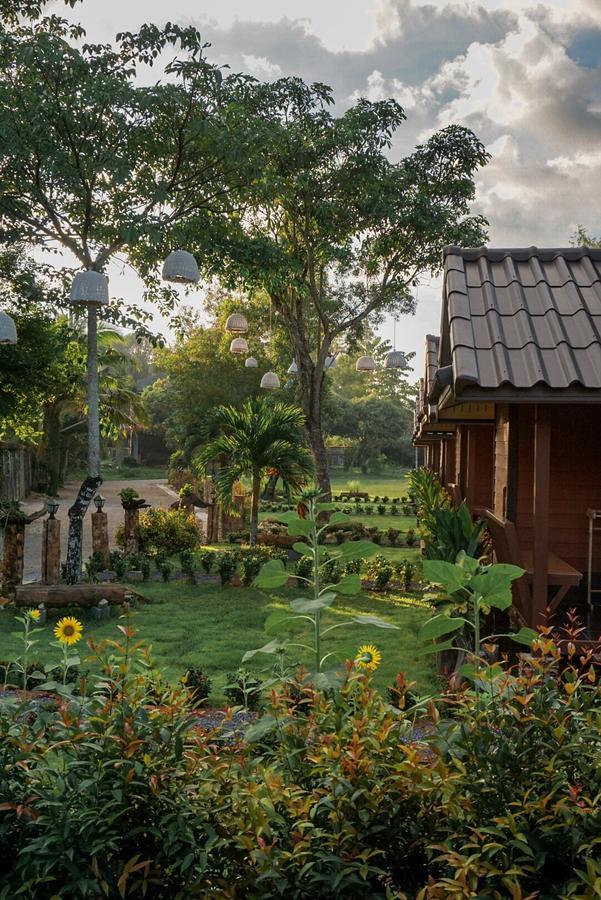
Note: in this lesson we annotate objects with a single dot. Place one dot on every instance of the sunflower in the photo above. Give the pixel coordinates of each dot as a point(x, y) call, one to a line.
point(34, 615)
point(68, 630)
point(368, 657)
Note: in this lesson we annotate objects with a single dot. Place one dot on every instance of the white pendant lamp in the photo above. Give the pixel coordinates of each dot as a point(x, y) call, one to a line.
point(292, 368)
point(365, 364)
point(330, 362)
point(180, 267)
point(395, 360)
point(90, 288)
point(8, 329)
point(236, 324)
point(251, 363)
point(239, 345)
point(270, 381)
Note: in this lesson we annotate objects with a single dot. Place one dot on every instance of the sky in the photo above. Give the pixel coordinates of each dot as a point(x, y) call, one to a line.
point(525, 75)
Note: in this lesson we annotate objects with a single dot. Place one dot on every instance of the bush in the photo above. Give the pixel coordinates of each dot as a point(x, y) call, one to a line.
point(238, 537)
point(331, 572)
point(303, 568)
point(128, 496)
point(353, 567)
point(164, 566)
point(207, 559)
point(410, 538)
point(329, 797)
point(243, 689)
point(198, 685)
point(393, 535)
point(187, 561)
point(379, 571)
point(369, 510)
point(94, 565)
point(118, 563)
point(226, 566)
point(381, 509)
point(251, 566)
point(168, 531)
point(130, 462)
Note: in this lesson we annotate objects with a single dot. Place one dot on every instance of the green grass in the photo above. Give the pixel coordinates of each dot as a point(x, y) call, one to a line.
point(390, 485)
point(212, 627)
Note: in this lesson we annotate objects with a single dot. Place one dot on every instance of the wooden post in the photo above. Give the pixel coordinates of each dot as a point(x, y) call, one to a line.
point(471, 461)
point(132, 530)
point(51, 552)
point(100, 535)
point(14, 544)
point(540, 512)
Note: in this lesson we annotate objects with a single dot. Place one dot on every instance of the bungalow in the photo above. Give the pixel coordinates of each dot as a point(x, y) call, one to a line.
point(510, 390)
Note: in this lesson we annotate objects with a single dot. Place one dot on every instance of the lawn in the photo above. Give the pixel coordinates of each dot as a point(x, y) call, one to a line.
point(387, 485)
point(212, 627)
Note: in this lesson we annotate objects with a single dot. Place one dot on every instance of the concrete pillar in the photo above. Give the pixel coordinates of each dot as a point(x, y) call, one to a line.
point(100, 535)
point(51, 552)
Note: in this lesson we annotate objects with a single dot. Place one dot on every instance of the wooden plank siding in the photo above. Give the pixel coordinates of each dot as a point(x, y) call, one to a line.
point(478, 461)
point(575, 480)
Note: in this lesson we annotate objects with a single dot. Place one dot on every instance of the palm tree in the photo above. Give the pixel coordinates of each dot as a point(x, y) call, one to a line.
point(253, 438)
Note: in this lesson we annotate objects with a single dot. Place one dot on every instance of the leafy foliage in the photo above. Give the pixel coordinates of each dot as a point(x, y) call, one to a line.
point(167, 531)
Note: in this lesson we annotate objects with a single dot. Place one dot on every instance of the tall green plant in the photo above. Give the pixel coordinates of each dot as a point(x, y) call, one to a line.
point(474, 588)
point(453, 531)
point(258, 436)
point(323, 594)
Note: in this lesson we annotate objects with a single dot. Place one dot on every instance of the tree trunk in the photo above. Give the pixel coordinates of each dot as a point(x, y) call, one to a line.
point(254, 508)
point(52, 449)
point(320, 457)
point(93, 481)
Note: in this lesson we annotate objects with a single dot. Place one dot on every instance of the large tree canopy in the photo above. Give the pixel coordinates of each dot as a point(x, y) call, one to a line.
point(336, 233)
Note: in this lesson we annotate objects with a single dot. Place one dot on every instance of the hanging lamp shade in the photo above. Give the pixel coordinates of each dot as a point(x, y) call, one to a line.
point(330, 362)
point(239, 345)
point(8, 329)
point(236, 324)
point(270, 381)
point(365, 364)
point(181, 268)
point(251, 363)
point(91, 288)
point(395, 360)
point(293, 368)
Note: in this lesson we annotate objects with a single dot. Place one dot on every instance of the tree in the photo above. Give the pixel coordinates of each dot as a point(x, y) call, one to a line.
point(95, 164)
point(336, 233)
point(582, 238)
point(252, 439)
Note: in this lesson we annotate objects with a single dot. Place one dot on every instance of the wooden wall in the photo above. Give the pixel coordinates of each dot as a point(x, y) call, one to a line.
point(475, 456)
point(575, 477)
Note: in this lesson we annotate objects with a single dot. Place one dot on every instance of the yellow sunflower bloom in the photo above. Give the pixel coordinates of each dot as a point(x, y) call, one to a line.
point(368, 657)
point(34, 614)
point(68, 630)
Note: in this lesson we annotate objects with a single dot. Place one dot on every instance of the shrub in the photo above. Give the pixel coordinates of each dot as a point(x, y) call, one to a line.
point(243, 689)
point(353, 567)
point(198, 685)
point(168, 531)
point(207, 560)
point(187, 562)
point(393, 536)
point(226, 566)
point(369, 510)
point(145, 567)
point(251, 566)
point(118, 563)
point(128, 496)
point(94, 565)
point(381, 509)
point(394, 510)
point(303, 568)
point(379, 571)
point(331, 572)
point(239, 537)
point(410, 537)
point(130, 462)
point(164, 566)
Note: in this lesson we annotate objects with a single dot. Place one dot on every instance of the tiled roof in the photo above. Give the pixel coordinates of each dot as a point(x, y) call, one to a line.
point(522, 317)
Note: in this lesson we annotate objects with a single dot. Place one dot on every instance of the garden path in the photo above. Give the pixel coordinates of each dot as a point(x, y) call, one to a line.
point(155, 491)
